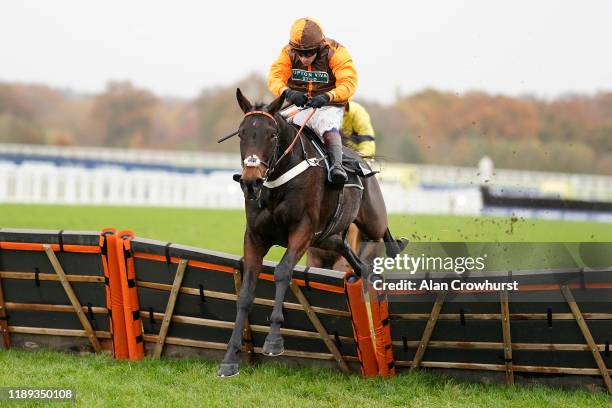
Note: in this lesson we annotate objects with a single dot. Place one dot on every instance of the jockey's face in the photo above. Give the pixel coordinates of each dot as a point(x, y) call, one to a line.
point(307, 57)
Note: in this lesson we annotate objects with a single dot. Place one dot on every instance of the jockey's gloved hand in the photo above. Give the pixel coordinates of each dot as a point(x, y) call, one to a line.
point(318, 101)
point(296, 97)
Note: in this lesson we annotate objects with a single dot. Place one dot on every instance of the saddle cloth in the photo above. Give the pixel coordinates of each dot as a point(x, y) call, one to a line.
point(353, 164)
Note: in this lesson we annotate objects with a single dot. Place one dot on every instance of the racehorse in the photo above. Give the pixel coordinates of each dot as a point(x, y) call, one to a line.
point(297, 213)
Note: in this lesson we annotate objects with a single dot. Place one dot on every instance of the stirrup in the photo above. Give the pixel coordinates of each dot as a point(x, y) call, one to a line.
point(340, 177)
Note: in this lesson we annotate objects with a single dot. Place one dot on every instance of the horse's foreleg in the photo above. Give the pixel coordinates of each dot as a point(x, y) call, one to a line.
point(298, 243)
point(254, 252)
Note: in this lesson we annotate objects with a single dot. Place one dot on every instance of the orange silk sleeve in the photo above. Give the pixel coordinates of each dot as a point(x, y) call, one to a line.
point(279, 73)
point(343, 68)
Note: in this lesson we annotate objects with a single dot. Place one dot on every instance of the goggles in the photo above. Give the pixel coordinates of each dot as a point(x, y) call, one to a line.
point(306, 53)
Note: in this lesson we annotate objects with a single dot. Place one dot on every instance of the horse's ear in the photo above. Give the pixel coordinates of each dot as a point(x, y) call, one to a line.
point(276, 105)
point(243, 102)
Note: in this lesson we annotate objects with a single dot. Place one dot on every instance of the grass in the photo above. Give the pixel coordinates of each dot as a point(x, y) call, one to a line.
point(101, 381)
point(222, 230)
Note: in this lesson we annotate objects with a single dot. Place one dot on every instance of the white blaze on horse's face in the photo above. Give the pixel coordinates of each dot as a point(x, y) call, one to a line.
point(253, 167)
point(251, 181)
point(252, 161)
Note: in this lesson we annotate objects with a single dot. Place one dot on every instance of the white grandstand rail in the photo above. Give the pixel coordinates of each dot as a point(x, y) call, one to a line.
point(586, 187)
point(177, 158)
point(590, 187)
point(42, 183)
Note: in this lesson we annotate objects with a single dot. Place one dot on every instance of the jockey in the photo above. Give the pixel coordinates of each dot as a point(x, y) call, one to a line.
point(357, 130)
point(316, 72)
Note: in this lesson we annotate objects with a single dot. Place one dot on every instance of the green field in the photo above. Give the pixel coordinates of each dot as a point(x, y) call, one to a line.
point(222, 230)
point(101, 381)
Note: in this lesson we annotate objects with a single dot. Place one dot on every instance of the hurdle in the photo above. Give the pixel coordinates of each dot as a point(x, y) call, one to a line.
point(132, 297)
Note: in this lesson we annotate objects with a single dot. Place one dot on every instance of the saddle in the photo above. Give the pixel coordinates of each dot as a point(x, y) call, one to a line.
point(352, 162)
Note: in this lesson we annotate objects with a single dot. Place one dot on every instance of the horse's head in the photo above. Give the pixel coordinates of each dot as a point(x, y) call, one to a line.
point(258, 132)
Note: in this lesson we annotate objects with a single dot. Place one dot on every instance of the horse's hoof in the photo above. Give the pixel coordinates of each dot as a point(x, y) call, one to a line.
point(274, 348)
point(227, 370)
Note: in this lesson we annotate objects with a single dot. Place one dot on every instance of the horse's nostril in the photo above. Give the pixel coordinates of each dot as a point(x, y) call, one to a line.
point(259, 182)
point(237, 177)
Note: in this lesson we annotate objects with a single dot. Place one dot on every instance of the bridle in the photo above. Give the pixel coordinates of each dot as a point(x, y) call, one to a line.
point(254, 161)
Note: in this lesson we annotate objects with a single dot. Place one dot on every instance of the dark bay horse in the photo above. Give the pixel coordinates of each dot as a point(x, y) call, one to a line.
point(292, 215)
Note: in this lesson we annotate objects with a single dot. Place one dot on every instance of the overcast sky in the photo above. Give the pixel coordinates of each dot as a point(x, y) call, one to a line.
point(540, 47)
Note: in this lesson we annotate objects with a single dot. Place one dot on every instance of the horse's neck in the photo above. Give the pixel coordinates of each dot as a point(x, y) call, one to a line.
point(287, 134)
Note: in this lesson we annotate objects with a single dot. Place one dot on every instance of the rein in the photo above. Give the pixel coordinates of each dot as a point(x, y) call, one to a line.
point(299, 131)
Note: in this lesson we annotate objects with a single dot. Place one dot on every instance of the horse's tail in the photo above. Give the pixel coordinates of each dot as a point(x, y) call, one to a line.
point(394, 246)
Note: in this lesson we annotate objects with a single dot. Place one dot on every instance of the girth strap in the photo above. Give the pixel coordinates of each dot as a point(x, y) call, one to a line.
point(331, 224)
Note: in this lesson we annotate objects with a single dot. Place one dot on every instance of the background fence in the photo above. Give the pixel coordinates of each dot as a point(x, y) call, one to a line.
point(105, 176)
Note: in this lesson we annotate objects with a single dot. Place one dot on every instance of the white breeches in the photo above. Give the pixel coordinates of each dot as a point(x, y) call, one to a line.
point(324, 119)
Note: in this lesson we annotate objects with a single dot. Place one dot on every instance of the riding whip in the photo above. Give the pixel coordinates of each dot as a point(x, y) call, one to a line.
point(224, 138)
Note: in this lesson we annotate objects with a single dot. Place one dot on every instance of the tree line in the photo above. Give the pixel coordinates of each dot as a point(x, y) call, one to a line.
point(572, 133)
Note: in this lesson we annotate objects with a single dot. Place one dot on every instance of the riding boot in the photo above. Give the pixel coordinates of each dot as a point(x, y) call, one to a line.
point(333, 143)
